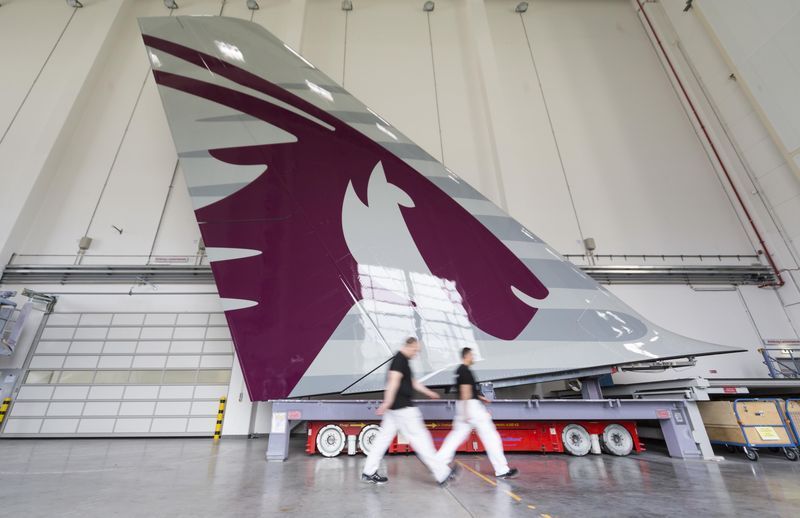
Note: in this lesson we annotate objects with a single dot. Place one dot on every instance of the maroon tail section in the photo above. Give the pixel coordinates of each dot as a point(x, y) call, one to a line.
point(305, 279)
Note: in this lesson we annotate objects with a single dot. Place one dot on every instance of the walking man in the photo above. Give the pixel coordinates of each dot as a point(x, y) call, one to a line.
point(400, 414)
point(471, 414)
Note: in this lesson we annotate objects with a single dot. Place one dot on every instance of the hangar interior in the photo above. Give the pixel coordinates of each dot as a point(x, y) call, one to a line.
point(655, 144)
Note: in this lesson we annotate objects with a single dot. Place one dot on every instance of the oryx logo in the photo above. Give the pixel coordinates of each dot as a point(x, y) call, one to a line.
point(326, 201)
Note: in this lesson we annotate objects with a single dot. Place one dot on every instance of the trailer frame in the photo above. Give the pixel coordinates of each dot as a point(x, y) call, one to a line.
point(682, 429)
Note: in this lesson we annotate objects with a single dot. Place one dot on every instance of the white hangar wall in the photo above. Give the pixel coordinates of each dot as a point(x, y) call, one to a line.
point(634, 176)
point(564, 115)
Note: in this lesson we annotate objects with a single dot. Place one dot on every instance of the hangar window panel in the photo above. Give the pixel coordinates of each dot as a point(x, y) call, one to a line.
point(59, 426)
point(40, 377)
point(131, 374)
point(96, 426)
point(105, 392)
point(111, 377)
point(214, 376)
point(180, 376)
point(143, 376)
point(76, 377)
point(70, 392)
point(141, 392)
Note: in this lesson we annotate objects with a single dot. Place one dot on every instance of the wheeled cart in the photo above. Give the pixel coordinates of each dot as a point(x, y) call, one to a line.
point(749, 425)
point(791, 416)
point(332, 438)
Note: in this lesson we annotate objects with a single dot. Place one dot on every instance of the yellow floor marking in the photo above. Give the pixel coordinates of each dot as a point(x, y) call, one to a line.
point(515, 497)
point(493, 483)
point(490, 481)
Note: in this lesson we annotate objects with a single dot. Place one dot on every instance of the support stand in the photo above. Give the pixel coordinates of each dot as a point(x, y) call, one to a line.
point(590, 388)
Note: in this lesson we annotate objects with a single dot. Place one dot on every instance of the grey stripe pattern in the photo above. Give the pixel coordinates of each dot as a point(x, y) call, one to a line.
point(456, 189)
point(507, 229)
point(221, 190)
point(310, 385)
point(239, 117)
point(428, 168)
point(559, 274)
point(200, 153)
point(563, 325)
point(578, 325)
point(336, 89)
point(407, 151)
point(353, 117)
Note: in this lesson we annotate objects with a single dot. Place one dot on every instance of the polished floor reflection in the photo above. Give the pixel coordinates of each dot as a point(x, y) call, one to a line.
point(194, 477)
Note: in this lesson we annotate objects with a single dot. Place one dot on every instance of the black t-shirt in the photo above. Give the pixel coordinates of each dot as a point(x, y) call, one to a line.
point(405, 391)
point(464, 377)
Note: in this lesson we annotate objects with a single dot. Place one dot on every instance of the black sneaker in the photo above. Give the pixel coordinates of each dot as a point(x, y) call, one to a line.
point(451, 477)
point(511, 473)
point(373, 479)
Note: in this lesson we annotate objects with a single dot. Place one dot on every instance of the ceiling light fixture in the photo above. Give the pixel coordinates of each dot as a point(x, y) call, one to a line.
point(521, 7)
point(170, 4)
point(347, 5)
point(428, 6)
point(74, 3)
point(252, 5)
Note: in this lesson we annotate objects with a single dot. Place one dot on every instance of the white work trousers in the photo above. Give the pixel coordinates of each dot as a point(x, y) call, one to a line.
point(472, 414)
point(407, 421)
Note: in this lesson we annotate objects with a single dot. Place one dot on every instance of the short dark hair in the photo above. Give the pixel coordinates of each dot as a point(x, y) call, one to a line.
point(410, 340)
point(465, 351)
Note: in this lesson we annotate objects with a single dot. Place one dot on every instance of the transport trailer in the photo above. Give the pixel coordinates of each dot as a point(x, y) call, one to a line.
point(341, 425)
point(579, 438)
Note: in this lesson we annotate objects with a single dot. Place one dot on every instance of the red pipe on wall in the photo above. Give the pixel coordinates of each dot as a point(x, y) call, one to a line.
point(780, 282)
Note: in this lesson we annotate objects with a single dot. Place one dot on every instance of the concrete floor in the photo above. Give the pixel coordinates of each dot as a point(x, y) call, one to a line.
point(195, 477)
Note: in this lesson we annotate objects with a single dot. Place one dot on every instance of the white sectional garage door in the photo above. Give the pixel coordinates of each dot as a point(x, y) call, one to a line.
point(124, 374)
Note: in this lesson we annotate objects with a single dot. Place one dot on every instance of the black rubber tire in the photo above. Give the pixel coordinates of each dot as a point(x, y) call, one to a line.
point(751, 454)
point(791, 454)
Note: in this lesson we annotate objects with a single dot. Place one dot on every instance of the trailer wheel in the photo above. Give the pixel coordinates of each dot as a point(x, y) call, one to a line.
point(366, 437)
point(617, 440)
point(576, 440)
point(750, 453)
point(791, 454)
point(331, 440)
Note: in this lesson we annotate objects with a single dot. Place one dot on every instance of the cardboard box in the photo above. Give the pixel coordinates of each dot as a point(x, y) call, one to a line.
point(759, 418)
point(794, 413)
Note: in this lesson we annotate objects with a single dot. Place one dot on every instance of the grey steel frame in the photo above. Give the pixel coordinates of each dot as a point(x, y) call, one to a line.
point(779, 367)
point(678, 424)
point(711, 274)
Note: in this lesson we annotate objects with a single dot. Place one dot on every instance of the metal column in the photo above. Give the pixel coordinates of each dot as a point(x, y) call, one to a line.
point(590, 388)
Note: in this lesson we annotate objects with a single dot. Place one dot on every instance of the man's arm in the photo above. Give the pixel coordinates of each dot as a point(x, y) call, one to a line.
point(392, 384)
point(419, 387)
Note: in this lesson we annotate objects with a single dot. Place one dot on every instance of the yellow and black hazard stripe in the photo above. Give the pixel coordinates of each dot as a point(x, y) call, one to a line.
point(220, 417)
point(4, 408)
